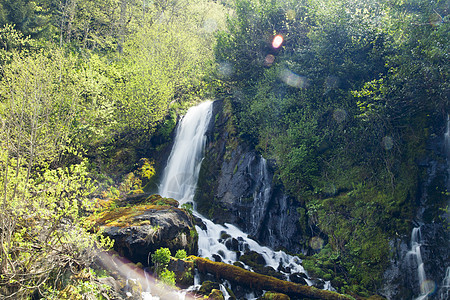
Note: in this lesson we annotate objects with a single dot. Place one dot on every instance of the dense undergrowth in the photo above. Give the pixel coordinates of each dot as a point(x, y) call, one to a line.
point(344, 107)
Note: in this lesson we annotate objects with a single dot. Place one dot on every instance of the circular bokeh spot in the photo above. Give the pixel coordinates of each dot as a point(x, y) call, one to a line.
point(339, 115)
point(387, 142)
point(316, 243)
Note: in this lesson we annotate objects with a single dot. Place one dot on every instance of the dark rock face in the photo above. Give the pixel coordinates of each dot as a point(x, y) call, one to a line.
point(152, 229)
point(236, 186)
point(184, 272)
point(401, 279)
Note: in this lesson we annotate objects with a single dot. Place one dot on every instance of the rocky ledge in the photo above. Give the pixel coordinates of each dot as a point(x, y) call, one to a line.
point(146, 225)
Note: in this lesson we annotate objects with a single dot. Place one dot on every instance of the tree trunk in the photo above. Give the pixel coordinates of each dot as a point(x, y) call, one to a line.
point(263, 282)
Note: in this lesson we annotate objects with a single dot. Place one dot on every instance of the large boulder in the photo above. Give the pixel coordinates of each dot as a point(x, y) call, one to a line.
point(141, 229)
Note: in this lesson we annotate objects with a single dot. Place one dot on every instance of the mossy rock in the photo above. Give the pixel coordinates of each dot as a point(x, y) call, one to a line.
point(207, 287)
point(184, 272)
point(253, 259)
point(259, 282)
point(274, 296)
point(158, 200)
point(142, 229)
point(257, 262)
point(216, 295)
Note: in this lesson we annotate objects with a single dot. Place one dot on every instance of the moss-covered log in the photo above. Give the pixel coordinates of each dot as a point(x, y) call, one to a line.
point(263, 282)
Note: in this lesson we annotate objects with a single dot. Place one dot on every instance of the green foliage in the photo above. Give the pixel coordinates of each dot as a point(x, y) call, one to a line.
point(181, 254)
point(341, 108)
point(12, 41)
point(188, 207)
point(43, 201)
point(30, 17)
point(167, 277)
point(161, 257)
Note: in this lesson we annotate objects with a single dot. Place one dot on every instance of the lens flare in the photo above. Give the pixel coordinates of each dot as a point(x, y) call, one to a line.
point(277, 41)
point(268, 61)
point(387, 142)
point(137, 279)
point(294, 80)
point(210, 25)
point(225, 69)
point(290, 14)
point(428, 287)
point(339, 115)
point(316, 243)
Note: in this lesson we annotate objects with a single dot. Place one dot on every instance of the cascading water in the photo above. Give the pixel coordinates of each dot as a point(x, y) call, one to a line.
point(221, 242)
point(414, 255)
point(181, 173)
point(444, 292)
point(416, 259)
point(261, 196)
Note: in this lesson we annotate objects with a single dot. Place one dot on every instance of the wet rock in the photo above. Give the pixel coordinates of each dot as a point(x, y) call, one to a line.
point(274, 296)
point(232, 244)
point(200, 223)
point(236, 186)
point(217, 258)
point(140, 230)
point(207, 287)
point(252, 259)
point(298, 278)
point(319, 283)
point(184, 272)
point(216, 295)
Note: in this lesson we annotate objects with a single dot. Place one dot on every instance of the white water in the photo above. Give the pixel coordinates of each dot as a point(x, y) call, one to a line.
point(181, 173)
point(415, 257)
point(180, 180)
point(444, 292)
point(261, 196)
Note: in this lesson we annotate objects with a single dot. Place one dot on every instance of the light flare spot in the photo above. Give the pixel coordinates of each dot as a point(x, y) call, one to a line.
point(225, 69)
point(290, 14)
point(268, 61)
point(331, 82)
point(277, 41)
point(294, 80)
point(428, 287)
point(435, 19)
point(316, 243)
point(339, 115)
point(387, 142)
point(210, 25)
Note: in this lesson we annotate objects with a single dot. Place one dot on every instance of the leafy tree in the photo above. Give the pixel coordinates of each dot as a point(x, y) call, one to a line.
point(42, 203)
point(29, 17)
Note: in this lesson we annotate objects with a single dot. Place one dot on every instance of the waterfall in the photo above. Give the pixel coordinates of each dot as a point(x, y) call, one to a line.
point(261, 196)
point(219, 242)
point(444, 292)
point(181, 173)
point(416, 260)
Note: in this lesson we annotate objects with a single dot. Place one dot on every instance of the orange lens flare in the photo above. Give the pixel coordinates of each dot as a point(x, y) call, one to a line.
point(277, 41)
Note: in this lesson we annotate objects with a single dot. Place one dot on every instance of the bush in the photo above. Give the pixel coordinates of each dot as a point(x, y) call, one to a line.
point(167, 277)
point(181, 254)
point(161, 257)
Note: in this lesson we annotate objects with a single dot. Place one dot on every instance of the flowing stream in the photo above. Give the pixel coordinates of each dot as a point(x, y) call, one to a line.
point(219, 242)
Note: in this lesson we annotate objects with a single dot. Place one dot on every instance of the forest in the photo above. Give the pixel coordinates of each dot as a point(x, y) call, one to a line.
point(342, 97)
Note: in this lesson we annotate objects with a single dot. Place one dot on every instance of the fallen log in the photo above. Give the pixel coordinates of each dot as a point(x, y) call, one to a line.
point(263, 282)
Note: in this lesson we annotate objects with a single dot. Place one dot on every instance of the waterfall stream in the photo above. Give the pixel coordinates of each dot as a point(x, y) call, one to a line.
point(219, 242)
point(414, 255)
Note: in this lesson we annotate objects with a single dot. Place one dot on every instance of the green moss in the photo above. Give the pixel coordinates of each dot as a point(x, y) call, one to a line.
point(274, 296)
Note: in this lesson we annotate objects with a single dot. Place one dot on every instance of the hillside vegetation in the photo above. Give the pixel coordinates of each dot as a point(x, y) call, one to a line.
point(343, 105)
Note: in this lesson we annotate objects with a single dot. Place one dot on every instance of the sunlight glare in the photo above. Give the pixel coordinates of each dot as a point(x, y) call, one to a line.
point(277, 41)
